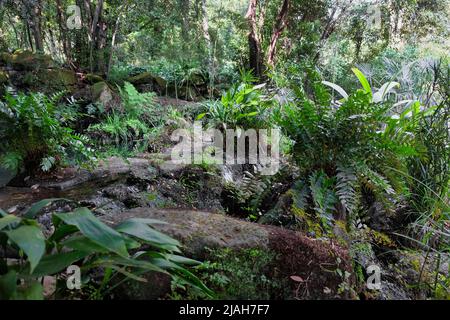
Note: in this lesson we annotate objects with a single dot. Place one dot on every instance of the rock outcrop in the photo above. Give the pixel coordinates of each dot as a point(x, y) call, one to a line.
point(315, 261)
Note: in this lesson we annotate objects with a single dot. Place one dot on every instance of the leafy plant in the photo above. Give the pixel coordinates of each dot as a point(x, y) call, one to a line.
point(35, 134)
point(243, 105)
point(79, 238)
point(348, 149)
point(131, 127)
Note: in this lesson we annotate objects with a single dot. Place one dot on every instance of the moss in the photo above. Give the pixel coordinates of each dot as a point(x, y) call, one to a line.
point(147, 78)
point(93, 78)
point(27, 60)
point(237, 274)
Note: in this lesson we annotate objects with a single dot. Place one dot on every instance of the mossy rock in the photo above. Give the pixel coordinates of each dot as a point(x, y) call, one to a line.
point(143, 78)
point(59, 79)
point(6, 176)
point(92, 78)
point(294, 253)
point(102, 93)
point(27, 60)
point(147, 78)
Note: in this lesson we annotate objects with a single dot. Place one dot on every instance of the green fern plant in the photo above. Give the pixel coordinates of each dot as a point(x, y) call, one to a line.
point(35, 134)
point(346, 147)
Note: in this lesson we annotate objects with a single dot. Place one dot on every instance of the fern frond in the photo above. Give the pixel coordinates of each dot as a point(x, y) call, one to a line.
point(346, 188)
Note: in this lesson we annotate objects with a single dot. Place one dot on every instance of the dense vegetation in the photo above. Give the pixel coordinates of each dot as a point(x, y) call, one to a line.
point(360, 91)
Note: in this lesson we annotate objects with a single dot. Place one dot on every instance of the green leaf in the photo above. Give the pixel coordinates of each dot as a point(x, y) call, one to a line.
point(110, 261)
point(37, 207)
point(31, 291)
point(53, 264)
point(182, 260)
point(8, 220)
point(84, 244)
point(95, 230)
point(8, 285)
point(201, 116)
point(31, 240)
point(363, 80)
point(144, 232)
point(336, 88)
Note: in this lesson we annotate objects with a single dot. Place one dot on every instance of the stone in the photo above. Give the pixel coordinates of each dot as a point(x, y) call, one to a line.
point(295, 253)
point(57, 78)
point(93, 78)
point(146, 81)
point(5, 176)
point(27, 60)
point(102, 93)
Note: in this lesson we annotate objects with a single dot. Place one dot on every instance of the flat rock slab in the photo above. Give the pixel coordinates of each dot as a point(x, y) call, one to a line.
point(315, 261)
point(106, 171)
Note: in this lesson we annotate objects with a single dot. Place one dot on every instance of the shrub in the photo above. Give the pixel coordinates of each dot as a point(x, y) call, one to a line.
point(130, 127)
point(79, 238)
point(349, 149)
point(243, 105)
point(35, 134)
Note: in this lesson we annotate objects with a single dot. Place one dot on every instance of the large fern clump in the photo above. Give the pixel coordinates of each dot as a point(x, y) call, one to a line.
point(130, 126)
point(35, 133)
point(347, 149)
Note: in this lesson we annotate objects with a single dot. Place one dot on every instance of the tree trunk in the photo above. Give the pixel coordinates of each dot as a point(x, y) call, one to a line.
point(280, 24)
point(34, 12)
point(209, 45)
point(97, 39)
point(254, 41)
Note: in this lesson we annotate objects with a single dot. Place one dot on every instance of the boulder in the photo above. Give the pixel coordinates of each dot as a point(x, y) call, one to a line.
point(93, 78)
point(27, 60)
point(102, 93)
point(148, 81)
point(6, 176)
point(57, 79)
point(315, 261)
point(107, 171)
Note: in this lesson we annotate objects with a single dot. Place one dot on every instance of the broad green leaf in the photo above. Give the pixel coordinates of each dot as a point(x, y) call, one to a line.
point(363, 80)
point(144, 232)
point(95, 230)
point(109, 261)
point(336, 88)
point(53, 264)
point(128, 274)
point(8, 285)
point(8, 220)
point(182, 260)
point(31, 240)
point(147, 221)
point(384, 90)
point(84, 244)
point(37, 207)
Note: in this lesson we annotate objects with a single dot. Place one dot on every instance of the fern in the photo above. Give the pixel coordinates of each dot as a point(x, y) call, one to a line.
point(324, 198)
point(346, 186)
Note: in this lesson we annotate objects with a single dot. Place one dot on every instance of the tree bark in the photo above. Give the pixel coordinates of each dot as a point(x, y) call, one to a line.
point(254, 41)
point(64, 32)
point(209, 45)
point(96, 39)
point(280, 25)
